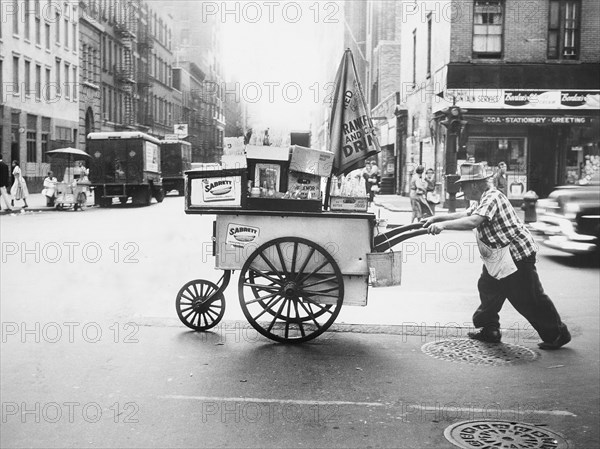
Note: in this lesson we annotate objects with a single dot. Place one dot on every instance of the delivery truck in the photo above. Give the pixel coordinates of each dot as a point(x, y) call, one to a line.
point(176, 159)
point(124, 165)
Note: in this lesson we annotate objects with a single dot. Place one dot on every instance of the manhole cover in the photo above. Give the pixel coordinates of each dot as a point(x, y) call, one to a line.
point(503, 435)
point(478, 352)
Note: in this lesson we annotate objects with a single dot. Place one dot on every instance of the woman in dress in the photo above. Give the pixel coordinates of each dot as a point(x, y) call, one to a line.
point(418, 188)
point(19, 188)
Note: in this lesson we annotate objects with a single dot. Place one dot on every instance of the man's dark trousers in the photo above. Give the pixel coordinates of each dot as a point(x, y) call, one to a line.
point(524, 291)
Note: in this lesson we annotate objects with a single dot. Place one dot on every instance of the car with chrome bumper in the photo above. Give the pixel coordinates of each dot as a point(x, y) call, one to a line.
point(569, 219)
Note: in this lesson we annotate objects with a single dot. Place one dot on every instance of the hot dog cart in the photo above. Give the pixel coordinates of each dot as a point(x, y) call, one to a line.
point(298, 264)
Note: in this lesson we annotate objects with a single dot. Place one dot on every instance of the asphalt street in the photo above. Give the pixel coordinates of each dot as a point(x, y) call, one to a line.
point(93, 354)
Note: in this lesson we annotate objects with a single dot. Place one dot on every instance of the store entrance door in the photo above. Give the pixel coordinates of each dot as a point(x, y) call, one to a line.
point(543, 150)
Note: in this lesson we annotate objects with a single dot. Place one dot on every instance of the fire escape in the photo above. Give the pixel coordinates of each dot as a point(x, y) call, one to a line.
point(144, 45)
point(125, 29)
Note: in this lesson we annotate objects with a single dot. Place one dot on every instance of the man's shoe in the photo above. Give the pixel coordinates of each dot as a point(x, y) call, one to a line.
point(561, 340)
point(487, 334)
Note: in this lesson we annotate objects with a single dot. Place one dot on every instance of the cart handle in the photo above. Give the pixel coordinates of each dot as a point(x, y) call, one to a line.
point(397, 229)
point(388, 244)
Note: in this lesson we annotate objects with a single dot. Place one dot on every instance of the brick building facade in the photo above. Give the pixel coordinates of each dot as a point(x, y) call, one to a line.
point(527, 75)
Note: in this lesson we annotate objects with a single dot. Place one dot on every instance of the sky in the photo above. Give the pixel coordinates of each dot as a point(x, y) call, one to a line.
point(272, 49)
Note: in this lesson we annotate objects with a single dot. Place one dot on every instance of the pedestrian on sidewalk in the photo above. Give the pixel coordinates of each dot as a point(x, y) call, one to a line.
point(509, 255)
point(49, 190)
point(418, 203)
point(4, 183)
point(19, 188)
point(432, 197)
point(500, 180)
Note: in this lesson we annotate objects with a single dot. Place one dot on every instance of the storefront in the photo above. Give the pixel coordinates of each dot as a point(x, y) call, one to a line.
point(547, 138)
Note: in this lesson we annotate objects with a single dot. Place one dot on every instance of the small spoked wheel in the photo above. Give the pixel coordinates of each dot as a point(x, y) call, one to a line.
point(291, 290)
point(200, 304)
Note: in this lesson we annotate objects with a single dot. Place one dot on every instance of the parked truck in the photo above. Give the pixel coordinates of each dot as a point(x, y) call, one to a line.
point(124, 165)
point(176, 159)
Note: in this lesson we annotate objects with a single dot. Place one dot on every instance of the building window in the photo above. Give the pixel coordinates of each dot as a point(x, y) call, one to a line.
point(44, 147)
point(414, 59)
point(38, 82)
point(31, 150)
point(57, 75)
point(487, 29)
point(26, 18)
point(15, 17)
point(66, 31)
point(38, 31)
point(47, 33)
point(74, 37)
point(47, 86)
point(67, 77)
point(429, 23)
point(563, 29)
point(27, 77)
point(16, 74)
point(57, 24)
point(74, 83)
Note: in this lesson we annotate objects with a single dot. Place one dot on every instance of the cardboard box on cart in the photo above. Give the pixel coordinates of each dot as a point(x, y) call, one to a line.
point(307, 168)
point(311, 161)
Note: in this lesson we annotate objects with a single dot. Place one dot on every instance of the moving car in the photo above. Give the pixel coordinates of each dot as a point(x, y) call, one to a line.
point(569, 219)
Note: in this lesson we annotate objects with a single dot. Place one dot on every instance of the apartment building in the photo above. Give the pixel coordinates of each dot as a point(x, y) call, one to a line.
point(197, 40)
point(39, 73)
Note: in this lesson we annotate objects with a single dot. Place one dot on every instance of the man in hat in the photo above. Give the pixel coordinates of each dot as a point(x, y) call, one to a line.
point(509, 254)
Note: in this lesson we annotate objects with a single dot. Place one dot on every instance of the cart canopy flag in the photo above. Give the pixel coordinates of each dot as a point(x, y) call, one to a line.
point(351, 132)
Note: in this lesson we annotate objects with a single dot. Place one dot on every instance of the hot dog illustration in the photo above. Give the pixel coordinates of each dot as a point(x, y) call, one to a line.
point(241, 233)
point(218, 190)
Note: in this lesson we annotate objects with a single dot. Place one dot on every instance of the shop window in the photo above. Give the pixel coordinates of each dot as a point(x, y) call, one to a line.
point(31, 153)
point(564, 29)
point(512, 150)
point(487, 29)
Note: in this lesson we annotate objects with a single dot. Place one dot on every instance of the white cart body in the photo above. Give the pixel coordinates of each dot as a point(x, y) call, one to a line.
point(347, 237)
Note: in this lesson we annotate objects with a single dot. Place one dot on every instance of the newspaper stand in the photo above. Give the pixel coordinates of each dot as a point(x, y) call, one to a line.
point(297, 267)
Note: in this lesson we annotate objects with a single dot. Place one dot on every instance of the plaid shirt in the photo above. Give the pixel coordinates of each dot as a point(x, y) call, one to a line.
point(502, 225)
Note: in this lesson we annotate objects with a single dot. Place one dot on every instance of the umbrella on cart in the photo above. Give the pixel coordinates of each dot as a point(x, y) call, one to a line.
point(69, 154)
point(71, 193)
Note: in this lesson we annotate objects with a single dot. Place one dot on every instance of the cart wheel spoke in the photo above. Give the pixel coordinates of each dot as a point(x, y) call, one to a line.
point(310, 313)
point(297, 301)
point(281, 261)
point(261, 298)
point(268, 288)
point(270, 264)
point(266, 276)
point(267, 307)
point(300, 326)
point(200, 305)
point(301, 270)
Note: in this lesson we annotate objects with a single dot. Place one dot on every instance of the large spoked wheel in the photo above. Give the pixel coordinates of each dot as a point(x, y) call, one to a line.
point(200, 304)
point(291, 290)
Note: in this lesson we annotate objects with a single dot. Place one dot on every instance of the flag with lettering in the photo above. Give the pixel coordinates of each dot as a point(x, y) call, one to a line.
point(351, 133)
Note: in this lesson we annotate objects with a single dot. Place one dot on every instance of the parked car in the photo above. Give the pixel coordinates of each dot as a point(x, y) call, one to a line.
point(569, 219)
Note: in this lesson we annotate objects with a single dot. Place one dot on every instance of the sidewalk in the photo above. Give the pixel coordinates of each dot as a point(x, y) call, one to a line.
point(398, 203)
point(35, 201)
